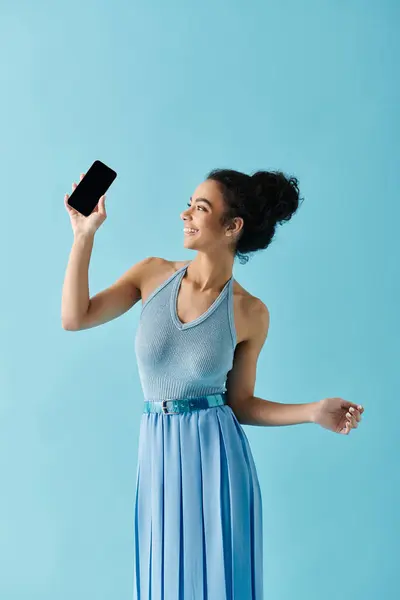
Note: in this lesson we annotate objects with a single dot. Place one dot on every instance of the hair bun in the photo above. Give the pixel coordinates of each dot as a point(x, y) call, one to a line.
point(276, 194)
point(261, 200)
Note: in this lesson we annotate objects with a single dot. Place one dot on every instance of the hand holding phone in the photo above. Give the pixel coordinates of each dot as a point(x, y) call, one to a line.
point(86, 205)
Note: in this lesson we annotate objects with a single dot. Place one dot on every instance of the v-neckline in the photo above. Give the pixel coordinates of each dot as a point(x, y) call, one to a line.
point(174, 301)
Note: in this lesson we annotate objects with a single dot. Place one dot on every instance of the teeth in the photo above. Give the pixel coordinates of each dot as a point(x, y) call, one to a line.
point(188, 230)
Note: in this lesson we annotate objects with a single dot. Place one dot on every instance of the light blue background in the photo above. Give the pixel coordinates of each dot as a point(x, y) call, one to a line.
point(163, 92)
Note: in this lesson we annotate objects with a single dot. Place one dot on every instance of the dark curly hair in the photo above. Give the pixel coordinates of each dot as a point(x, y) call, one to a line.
point(262, 200)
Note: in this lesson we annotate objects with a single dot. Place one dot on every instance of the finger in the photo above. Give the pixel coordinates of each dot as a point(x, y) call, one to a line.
point(74, 186)
point(358, 407)
point(351, 420)
point(356, 414)
point(70, 208)
point(101, 203)
point(82, 176)
point(355, 409)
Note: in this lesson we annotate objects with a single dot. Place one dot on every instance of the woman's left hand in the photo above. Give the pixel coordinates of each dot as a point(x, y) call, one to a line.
point(338, 415)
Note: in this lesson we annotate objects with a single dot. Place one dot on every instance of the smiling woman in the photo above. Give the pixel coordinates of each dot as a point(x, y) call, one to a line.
point(202, 536)
point(198, 506)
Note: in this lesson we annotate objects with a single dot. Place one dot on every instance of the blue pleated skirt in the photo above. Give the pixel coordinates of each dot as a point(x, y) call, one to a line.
point(198, 509)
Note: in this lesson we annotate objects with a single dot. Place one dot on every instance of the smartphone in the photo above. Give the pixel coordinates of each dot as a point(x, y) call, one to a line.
point(88, 192)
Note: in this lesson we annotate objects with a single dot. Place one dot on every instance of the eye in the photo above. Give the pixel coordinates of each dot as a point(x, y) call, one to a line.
point(202, 207)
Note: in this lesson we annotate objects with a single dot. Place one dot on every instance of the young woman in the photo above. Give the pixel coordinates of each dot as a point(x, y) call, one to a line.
point(198, 508)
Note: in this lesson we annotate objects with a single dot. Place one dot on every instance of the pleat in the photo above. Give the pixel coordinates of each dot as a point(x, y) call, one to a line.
point(213, 484)
point(143, 518)
point(156, 442)
point(240, 506)
point(256, 516)
point(226, 520)
point(173, 509)
point(194, 580)
point(136, 575)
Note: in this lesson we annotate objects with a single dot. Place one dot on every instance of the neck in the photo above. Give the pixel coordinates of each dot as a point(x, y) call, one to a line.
point(208, 273)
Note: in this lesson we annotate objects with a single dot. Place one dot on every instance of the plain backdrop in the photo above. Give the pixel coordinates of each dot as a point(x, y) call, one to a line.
point(163, 92)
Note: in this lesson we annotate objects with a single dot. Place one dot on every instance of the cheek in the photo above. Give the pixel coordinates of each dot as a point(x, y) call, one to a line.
point(210, 223)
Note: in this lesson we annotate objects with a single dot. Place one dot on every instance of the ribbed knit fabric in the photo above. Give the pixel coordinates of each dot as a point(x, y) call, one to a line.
point(198, 509)
point(181, 360)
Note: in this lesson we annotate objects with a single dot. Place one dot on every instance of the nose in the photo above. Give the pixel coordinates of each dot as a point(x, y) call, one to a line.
point(185, 214)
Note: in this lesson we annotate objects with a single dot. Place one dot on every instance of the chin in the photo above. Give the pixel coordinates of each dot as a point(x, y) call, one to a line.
point(190, 240)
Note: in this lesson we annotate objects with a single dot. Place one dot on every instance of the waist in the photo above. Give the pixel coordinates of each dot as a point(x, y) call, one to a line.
point(172, 406)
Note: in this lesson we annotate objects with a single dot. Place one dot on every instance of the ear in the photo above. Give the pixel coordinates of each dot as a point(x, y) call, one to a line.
point(235, 227)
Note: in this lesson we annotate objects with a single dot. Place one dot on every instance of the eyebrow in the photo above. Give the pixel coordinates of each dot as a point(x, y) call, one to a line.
point(202, 200)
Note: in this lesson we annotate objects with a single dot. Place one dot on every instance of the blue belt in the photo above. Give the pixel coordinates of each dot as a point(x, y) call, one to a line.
point(183, 405)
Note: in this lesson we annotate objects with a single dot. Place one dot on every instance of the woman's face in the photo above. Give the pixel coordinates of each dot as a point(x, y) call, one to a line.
point(204, 212)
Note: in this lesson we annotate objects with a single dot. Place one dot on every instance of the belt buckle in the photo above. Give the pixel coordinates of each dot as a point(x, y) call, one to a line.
point(165, 409)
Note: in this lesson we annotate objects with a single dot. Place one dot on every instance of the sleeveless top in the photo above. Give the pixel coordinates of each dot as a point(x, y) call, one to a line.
point(184, 360)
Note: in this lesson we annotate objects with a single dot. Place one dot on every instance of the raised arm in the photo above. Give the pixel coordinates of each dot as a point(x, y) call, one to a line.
point(79, 311)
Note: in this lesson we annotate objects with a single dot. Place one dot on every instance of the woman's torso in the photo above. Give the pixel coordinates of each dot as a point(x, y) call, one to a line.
point(186, 340)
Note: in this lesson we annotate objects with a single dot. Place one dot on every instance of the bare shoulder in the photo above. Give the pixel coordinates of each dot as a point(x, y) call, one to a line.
point(259, 319)
point(157, 271)
point(156, 265)
point(178, 264)
point(163, 266)
point(256, 309)
point(251, 314)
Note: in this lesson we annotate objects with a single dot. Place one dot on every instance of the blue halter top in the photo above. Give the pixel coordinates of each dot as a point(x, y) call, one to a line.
point(184, 360)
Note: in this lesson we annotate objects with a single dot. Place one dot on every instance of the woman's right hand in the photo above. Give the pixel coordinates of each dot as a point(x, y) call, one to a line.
point(86, 225)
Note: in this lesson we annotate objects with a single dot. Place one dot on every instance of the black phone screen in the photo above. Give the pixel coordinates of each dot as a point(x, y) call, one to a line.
point(94, 185)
